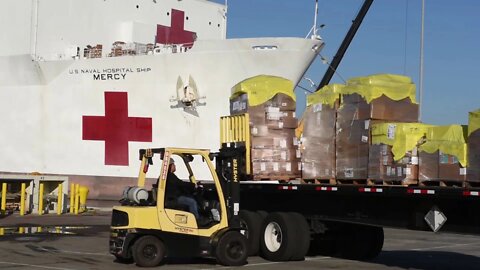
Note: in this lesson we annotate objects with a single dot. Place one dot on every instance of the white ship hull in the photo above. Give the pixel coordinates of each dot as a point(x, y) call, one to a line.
point(46, 106)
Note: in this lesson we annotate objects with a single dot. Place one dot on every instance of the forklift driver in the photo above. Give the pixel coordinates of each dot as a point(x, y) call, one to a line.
point(181, 190)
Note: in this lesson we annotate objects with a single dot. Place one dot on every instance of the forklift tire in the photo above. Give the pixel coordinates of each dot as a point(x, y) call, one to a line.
point(231, 249)
point(303, 237)
point(148, 251)
point(123, 260)
point(252, 223)
point(278, 237)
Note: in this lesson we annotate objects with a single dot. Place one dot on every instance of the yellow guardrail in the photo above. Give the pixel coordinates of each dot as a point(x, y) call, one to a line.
point(4, 198)
point(33, 193)
point(78, 198)
point(236, 128)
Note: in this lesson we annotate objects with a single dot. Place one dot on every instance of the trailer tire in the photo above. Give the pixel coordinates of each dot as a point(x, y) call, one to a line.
point(278, 237)
point(263, 214)
point(232, 249)
point(376, 245)
point(252, 223)
point(303, 236)
point(355, 242)
point(148, 251)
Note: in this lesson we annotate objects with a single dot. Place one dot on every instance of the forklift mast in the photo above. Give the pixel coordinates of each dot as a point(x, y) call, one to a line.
point(231, 169)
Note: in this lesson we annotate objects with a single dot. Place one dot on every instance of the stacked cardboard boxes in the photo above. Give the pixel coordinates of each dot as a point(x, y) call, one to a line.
point(318, 139)
point(473, 172)
point(274, 148)
point(367, 101)
point(393, 154)
point(443, 156)
point(93, 51)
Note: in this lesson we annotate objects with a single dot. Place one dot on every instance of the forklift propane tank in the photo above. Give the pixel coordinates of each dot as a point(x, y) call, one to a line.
point(135, 194)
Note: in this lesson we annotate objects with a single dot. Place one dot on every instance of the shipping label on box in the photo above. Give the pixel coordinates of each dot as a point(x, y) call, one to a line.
point(349, 173)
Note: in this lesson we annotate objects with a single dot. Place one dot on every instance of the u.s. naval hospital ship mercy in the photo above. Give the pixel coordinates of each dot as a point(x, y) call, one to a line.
point(85, 83)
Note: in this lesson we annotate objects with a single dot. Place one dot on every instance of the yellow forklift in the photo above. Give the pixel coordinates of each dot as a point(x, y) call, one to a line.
point(151, 225)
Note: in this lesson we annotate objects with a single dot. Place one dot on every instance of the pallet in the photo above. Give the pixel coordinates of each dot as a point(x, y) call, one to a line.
point(441, 183)
point(400, 183)
point(330, 181)
point(357, 182)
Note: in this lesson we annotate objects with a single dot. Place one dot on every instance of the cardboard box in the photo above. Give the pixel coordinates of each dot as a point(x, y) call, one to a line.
point(428, 166)
point(275, 168)
point(473, 171)
point(381, 108)
point(289, 154)
point(273, 142)
point(352, 147)
point(382, 165)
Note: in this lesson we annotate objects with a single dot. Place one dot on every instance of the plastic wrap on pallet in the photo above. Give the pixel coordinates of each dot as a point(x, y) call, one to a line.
point(395, 87)
point(473, 171)
point(318, 158)
point(382, 165)
point(289, 154)
point(440, 166)
point(276, 168)
point(382, 108)
point(473, 121)
point(428, 167)
point(269, 90)
point(447, 139)
point(272, 142)
point(403, 137)
point(352, 146)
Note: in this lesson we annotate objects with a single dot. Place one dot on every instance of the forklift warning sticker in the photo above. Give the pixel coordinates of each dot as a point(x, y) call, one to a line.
point(166, 159)
point(184, 230)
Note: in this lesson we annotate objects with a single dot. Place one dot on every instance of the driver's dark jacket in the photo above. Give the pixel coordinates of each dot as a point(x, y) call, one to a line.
point(176, 187)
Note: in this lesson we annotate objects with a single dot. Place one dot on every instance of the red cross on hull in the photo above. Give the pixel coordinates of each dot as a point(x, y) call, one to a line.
point(176, 33)
point(116, 128)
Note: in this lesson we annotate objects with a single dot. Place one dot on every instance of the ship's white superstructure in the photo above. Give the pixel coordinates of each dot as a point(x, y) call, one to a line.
point(85, 84)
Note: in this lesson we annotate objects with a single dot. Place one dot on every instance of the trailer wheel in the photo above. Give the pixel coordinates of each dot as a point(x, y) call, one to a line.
point(251, 222)
point(376, 245)
point(263, 214)
point(232, 249)
point(148, 251)
point(355, 242)
point(277, 242)
point(303, 236)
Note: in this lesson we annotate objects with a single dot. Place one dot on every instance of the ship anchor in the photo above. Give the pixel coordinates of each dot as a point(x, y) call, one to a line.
point(187, 97)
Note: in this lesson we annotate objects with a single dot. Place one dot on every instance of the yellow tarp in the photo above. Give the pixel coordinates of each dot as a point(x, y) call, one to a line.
point(473, 121)
point(327, 95)
point(403, 137)
point(262, 88)
point(395, 87)
point(448, 139)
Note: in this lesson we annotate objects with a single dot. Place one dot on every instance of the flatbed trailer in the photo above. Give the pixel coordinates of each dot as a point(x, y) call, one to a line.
point(389, 206)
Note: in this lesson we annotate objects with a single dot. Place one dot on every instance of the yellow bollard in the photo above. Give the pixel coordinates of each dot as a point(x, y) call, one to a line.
point(77, 187)
point(21, 230)
point(83, 193)
point(72, 197)
point(4, 198)
point(40, 199)
point(22, 199)
point(60, 199)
